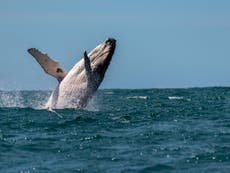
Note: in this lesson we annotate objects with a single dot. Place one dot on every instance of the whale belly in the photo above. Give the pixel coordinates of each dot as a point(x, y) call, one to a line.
point(72, 92)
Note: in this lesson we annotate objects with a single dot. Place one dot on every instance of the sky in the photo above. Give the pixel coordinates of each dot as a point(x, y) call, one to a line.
point(160, 43)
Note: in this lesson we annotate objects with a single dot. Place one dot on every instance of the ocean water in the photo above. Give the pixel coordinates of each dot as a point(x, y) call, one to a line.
point(121, 131)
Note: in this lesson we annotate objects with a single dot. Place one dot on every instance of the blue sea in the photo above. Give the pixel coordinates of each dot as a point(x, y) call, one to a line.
point(121, 131)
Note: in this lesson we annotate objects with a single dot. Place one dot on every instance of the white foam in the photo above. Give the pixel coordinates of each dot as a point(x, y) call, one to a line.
point(175, 98)
point(137, 97)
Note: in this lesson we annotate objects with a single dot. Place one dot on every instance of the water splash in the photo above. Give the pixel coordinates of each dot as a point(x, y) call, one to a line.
point(35, 100)
point(11, 99)
point(23, 99)
point(93, 105)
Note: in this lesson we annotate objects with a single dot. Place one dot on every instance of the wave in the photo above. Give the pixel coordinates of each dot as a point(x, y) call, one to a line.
point(137, 97)
point(175, 98)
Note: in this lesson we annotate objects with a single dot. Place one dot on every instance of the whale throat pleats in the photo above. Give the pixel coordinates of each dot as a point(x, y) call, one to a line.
point(49, 65)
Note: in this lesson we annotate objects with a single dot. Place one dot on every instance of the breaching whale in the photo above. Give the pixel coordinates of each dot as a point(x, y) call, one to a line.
point(76, 87)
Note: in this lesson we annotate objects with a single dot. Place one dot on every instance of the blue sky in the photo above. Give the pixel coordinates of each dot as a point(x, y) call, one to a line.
point(160, 43)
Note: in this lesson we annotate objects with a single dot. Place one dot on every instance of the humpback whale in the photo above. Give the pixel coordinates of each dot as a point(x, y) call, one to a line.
point(76, 87)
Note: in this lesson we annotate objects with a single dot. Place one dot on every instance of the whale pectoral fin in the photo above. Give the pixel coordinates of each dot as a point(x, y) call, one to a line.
point(88, 68)
point(49, 65)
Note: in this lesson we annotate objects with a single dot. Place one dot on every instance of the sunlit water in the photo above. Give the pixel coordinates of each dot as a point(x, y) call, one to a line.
point(128, 131)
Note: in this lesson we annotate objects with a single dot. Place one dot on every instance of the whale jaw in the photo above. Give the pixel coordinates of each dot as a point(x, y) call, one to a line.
point(83, 80)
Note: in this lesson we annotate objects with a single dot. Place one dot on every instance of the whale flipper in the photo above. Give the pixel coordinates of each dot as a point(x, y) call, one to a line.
point(49, 65)
point(87, 64)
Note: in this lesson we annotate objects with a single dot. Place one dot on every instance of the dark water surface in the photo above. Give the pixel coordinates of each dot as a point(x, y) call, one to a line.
point(127, 131)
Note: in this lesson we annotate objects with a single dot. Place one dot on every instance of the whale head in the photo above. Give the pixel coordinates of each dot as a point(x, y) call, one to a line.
point(100, 58)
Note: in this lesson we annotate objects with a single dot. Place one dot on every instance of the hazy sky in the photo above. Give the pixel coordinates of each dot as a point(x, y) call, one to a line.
point(160, 43)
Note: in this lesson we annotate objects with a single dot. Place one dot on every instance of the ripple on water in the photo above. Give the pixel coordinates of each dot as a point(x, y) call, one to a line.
point(131, 131)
